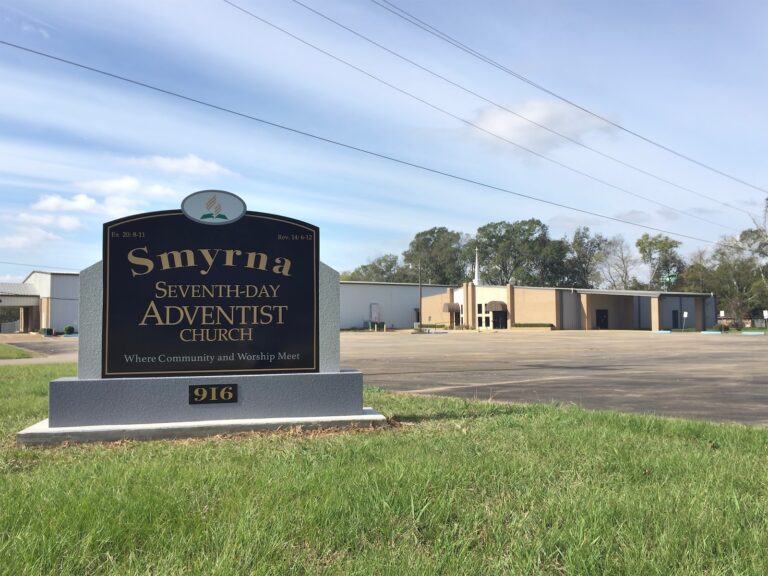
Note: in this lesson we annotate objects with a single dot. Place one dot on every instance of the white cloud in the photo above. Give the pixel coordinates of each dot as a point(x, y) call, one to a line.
point(112, 206)
point(57, 203)
point(63, 222)
point(26, 238)
point(125, 185)
point(158, 191)
point(668, 214)
point(637, 216)
point(557, 116)
point(190, 165)
point(110, 186)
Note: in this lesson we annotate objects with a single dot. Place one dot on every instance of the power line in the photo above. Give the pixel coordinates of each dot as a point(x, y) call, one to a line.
point(34, 265)
point(468, 122)
point(517, 114)
point(341, 144)
point(400, 13)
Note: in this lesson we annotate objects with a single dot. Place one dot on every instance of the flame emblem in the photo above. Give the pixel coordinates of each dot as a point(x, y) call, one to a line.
point(214, 210)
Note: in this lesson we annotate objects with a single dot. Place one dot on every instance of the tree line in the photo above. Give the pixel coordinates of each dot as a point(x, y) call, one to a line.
point(523, 253)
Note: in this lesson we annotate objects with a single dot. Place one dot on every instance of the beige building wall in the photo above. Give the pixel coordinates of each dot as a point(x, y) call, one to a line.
point(45, 312)
point(470, 305)
point(655, 314)
point(699, 314)
point(586, 312)
point(485, 294)
point(432, 308)
point(620, 311)
point(536, 306)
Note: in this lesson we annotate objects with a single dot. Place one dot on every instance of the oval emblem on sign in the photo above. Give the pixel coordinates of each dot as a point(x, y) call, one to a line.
point(213, 207)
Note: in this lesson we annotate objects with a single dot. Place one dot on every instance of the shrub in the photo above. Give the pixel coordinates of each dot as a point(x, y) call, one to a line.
point(69, 329)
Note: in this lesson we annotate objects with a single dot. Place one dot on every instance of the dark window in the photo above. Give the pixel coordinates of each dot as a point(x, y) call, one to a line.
point(479, 308)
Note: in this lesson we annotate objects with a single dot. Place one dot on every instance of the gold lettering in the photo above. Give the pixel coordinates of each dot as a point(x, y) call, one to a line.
point(160, 289)
point(229, 256)
point(251, 260)
point(206, 253)
point(151, 312)
point(138, 260)
point(282, 265)
point(187, 255)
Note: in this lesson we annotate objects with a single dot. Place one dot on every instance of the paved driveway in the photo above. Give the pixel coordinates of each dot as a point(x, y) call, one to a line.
point(46, 349)
point(692, 375)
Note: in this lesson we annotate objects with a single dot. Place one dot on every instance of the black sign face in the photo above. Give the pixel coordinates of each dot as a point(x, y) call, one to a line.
point(183, 297)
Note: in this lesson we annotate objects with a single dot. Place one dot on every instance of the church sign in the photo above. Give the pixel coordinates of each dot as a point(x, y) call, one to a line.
point(209, 289)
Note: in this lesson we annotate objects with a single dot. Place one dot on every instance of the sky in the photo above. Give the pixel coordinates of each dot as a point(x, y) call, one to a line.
point(78, 149)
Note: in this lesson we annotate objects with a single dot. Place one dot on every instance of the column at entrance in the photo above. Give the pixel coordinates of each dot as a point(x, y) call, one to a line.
point(655, 314)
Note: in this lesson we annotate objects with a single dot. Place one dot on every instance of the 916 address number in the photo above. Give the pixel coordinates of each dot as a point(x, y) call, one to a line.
point(213, 394)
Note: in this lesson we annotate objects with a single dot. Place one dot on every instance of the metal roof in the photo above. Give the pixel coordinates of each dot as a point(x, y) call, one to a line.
point(647, 293)
point(8, 289)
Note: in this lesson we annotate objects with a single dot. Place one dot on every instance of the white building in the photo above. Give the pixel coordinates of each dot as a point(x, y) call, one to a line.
point(47, 301)
point(396, 305)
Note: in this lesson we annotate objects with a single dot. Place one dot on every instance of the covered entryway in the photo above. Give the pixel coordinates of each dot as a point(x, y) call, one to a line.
point(24, 299)
point(454, 311)
point(499, 314)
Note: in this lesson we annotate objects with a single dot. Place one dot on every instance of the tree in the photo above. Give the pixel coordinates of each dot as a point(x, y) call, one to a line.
point(494, 246)
point(617, 270)
point(386, 268)
point(586, 254)
point(660, 254)
point(9, 314)
point(735, 278)
point(755, 240)
point(520, 252)
point(699, 274)
point(438, 252)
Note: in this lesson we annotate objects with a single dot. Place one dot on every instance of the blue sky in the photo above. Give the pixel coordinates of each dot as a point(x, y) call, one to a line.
point(78, 149)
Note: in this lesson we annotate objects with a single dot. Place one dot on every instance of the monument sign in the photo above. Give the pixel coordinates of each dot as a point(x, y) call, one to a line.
point(205, 320)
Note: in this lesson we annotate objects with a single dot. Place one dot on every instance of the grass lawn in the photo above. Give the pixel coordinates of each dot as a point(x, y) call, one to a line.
point(457, 487)
point(8, 352)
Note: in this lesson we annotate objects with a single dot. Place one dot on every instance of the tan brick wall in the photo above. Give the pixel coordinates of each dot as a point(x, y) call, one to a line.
point(619, 308)
point(432, 307)
point(535, 306)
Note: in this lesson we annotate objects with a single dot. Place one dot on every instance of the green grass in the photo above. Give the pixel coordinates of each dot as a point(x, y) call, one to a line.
point(8, 352)
point(457, 487)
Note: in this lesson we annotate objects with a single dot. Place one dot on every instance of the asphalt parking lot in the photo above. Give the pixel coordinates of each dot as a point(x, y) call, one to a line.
point(711, 377)
point(691, 375)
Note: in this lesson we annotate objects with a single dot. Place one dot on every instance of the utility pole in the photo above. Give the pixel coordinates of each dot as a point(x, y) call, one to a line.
point(420, 318)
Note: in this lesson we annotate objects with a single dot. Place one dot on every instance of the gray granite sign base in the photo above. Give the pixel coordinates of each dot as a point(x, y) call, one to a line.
point(79, 402)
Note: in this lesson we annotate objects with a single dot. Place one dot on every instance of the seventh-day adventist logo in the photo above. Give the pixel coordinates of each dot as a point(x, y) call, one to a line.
point(213, 207)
